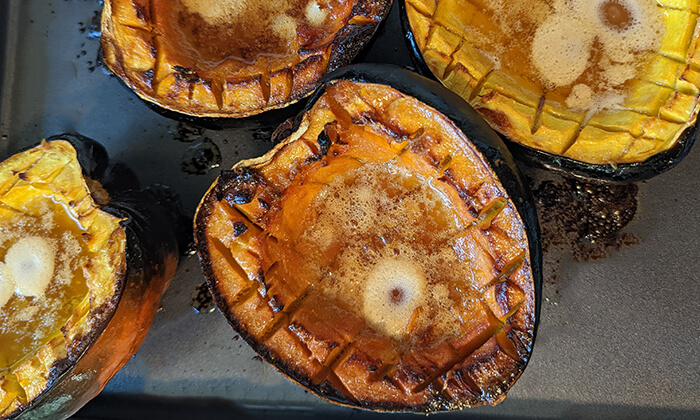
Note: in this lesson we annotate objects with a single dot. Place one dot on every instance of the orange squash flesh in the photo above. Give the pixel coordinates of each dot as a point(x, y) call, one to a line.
point(228, 58)
point(374, 257)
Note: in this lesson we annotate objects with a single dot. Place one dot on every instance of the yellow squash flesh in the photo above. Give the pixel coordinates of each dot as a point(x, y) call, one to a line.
point(565, 77)
point(43, 195)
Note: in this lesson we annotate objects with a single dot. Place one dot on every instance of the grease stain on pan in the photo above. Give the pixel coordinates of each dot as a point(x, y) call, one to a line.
point(201, 158)
point(582, 221)
point(186, 133)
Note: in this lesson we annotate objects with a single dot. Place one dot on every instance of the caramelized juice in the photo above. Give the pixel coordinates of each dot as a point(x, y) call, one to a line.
point(389, 240)
point(204, 34)
point(588, 47)
point(29, 322)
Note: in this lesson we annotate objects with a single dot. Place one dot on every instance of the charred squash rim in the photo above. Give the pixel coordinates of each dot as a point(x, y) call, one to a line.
point(82, 329)
point(619, 173)
point(358, 29)
point(485, 140)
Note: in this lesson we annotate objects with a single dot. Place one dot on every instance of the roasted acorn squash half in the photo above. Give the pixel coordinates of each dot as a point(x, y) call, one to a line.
point(604, 89)
point(229, 58)
point(80, 282)
point(375, 256)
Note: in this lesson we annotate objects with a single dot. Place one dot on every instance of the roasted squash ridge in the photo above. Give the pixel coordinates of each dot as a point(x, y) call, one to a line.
point(352, 356)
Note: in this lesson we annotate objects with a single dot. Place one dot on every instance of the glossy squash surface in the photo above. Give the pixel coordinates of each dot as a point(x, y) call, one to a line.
point(62, 273)
point(231, 58)
point(602, 82)
point(374, 257)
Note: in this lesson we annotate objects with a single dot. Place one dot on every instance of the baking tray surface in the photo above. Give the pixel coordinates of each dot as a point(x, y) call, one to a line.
point(618, 335)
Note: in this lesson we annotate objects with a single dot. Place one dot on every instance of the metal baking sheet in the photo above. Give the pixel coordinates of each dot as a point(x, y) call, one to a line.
point(618, 336)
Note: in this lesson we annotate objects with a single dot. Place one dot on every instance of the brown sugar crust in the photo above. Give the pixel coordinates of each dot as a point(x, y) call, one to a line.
point(232, 58)
point(429, 308)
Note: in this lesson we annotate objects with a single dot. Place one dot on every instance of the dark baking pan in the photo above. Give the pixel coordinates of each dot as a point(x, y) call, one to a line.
point(618, 336)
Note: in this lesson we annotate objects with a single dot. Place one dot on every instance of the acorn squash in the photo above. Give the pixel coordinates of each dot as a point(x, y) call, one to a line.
point(373, 255)
point(231, 58)
point(79, 287)
point(591, 87)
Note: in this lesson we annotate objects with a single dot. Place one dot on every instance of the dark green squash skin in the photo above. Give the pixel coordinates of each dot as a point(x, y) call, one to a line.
point(152, 254)
point(472, 125)
point(96, 165)
point(620, 173)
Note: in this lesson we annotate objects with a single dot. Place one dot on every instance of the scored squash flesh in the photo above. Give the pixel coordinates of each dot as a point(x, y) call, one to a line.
point(230, 58)
point(374, 257)
point(62, 270)
point(601, 81)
